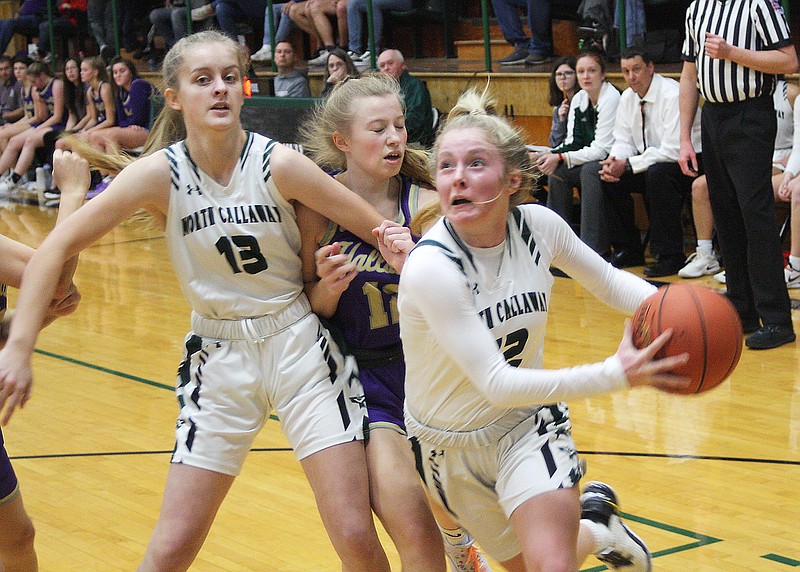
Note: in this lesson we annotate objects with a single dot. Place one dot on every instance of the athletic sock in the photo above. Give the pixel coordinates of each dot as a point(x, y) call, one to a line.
point(600, 535)
point(705, 246)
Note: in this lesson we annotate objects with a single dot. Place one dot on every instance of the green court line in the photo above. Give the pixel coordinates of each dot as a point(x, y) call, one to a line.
point(106, 370)
point(114, 372)
point(782, 560)
point(700, 539)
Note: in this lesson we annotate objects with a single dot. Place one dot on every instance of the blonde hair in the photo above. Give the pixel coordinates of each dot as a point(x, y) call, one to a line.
point(336, 114)
point(475, 110)
point(168, 126)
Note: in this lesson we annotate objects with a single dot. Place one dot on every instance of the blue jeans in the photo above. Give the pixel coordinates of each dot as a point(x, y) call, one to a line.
point(635, 22)
point(283, 24)
point(28, 25)
point(61, 27)
point(355, 11)
point(541, 40)
point(231, 12)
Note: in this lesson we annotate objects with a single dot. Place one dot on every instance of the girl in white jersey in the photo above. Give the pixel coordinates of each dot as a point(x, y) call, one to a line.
point(495, 443)
point(226, 199)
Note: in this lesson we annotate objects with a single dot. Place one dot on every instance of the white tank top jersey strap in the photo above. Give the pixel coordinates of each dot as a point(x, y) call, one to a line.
point(235, 248)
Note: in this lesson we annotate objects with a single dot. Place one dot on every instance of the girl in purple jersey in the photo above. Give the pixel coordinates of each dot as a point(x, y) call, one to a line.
point(100, 108)
point(359, 132)
point(21, 150)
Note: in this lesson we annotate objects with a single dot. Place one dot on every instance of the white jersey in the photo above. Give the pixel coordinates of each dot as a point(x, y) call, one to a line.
point(785, 118)
point(473, 323)
point(235, 248)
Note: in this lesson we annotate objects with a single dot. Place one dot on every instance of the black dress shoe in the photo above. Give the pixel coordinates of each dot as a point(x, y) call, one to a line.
point(770, 336)
point(750, 326)
point(666, 266)
point(627, 258)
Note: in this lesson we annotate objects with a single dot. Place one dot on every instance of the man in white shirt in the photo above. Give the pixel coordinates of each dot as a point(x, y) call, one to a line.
point(644, 159)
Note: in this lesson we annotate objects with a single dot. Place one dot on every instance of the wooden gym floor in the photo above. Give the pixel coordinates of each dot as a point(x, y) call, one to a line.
point(710, 482)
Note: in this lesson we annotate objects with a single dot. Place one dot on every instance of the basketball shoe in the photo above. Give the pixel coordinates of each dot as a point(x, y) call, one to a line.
point(465, 557)
point(699, 264)
point(792, 276)
point(621, 548)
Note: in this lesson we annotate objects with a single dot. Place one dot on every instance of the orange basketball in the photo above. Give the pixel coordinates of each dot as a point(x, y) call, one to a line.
point(704, 324)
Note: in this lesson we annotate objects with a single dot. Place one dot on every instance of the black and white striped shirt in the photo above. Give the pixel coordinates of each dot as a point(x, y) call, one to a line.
point(749, 24)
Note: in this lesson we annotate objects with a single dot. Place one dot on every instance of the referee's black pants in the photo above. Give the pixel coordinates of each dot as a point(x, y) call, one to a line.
point(738, 140)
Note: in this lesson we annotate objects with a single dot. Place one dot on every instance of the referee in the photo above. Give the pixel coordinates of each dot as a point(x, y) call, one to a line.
point(732, 53)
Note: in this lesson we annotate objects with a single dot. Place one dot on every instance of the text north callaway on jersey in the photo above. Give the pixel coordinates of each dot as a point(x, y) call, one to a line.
point(516, 305)
point(239, 214)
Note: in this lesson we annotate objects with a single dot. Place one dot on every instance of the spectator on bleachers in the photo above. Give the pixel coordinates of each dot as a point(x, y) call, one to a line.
point(289, 82)
point(231, 14)
point(30, 15)
point(704, 260)
point(576, 162)
point(315, 17)
point(283, 25)
point(528, 51)
point(563, 86)
point(27, 113)
point(338, 67)
point(644, 159)
point(99, 96)
point(66, 22)
point(419, 109)
point(356, 12)
point(21, 149)
point(170, 20)
point(10, 92)
point(101, 24)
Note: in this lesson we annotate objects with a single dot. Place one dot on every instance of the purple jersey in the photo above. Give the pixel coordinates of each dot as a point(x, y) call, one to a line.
point(133, 106)
point(96, 98)
point(367, 316)
point(50, 102)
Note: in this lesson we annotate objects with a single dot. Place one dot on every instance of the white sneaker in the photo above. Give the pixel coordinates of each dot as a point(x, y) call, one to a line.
point(465, 558)
point(263, 55)
point(320, 60)
point(699, 264)
point(720, 277)
point(623, 550)
point(792, 276)
point(7, 185)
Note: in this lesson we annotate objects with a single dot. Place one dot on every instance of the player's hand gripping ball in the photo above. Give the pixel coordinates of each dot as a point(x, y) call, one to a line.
point(704, 324)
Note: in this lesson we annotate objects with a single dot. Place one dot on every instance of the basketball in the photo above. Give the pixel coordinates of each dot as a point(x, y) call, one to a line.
point(704, 324)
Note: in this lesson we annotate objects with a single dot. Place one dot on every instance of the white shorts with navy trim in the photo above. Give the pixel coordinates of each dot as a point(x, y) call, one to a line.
point(482, 486)
point(228, 387)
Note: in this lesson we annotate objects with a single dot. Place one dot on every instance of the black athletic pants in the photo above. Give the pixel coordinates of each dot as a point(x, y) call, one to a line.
point(738, 139)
